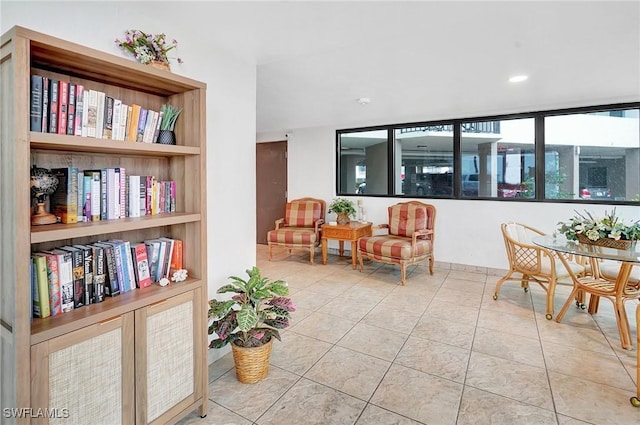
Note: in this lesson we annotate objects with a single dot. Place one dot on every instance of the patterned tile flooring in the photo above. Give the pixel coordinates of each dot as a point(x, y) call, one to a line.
point(364, 350)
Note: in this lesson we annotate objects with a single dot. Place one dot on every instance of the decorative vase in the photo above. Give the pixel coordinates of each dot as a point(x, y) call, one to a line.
point(166, 137)
point(160, 65)
point(252, 363)
point(343, 218)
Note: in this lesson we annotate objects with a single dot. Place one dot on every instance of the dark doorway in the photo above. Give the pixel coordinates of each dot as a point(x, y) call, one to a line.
point(271, 186)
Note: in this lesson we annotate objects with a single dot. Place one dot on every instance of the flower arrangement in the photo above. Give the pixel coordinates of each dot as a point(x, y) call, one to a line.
point(594, 228)
point(169, 117)
point(342, 206)
point(147, 48)
point(254, 313)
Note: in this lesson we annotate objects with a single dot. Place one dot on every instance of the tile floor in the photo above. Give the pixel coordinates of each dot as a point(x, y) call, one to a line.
point(364, 350)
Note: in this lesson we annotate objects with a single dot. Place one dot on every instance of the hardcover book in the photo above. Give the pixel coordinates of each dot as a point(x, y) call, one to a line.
point(115, 122)
point(45, 105)
point(142, 121)
point(36, 103)
point(94, 208)
point(141, 269)
point(89, 289)
point(71, 110)
point(65, 278)
point(111, 285)
point(132, 124)
point(92, 114)
point(77, 124)
point(100, 114)
point(64, 201)
point(63, 102)
point(53, 105)
point(77, 262)
point(53, 281)
point(99, 273)
point(41, 306)
point(107, 132)
point(176, 256)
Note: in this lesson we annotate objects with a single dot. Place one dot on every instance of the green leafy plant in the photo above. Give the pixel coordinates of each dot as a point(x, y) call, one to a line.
point(147, 48)
point(169, 116)
point(342, 205)
point(594, 228)
point(254, 313)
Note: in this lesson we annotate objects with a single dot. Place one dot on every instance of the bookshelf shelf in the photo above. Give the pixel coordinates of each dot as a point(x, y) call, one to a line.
point(58, 232)
point(138, 320)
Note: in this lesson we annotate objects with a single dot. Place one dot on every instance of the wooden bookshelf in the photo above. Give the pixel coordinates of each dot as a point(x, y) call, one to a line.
point(31, 349)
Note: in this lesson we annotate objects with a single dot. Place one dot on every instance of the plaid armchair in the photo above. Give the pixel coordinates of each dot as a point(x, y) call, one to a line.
point(409, 239)
point(300, 228)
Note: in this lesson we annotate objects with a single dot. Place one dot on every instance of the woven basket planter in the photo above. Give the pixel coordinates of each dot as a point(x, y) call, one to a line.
point(252, 363)
point(607, 242)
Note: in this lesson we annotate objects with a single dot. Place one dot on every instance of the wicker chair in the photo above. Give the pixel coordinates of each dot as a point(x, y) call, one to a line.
point(301, 226)
point(532, 263)
point(409, 239)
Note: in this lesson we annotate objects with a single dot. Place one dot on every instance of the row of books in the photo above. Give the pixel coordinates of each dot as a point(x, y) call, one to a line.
point(109, 193)
point(72, 276)
point(62, 107)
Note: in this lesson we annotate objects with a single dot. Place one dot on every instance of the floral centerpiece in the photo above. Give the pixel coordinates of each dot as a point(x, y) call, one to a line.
point(609, 230)
point(147, 48)
point(344, 208)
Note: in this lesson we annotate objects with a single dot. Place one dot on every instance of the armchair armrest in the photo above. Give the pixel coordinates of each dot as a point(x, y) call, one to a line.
point(279, 222)
point(423, 233)
point(318, 225)
point(379, 227)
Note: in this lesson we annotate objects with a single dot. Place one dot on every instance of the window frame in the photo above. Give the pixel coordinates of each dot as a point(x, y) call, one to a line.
point(539, 152)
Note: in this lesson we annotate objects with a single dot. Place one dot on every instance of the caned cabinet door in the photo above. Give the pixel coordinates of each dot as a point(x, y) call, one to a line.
point(85, 376)
point(168, 357)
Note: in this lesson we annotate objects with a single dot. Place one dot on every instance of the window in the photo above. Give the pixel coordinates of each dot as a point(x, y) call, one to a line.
point(593, 156)
point(586, 154)
point(363, 162)
point(425, 157)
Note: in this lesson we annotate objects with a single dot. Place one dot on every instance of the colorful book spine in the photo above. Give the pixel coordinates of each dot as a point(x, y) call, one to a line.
point(53, 105)
point(141, 263)
point(77, 124)
point(142, 121)
point(99, 273)
point(122, 193)
point(63, 103)
point(87, 257)
point(77, 264)
point(92, 114)
point(176, 257)
point(53, 279)
point(45, 105)
point(65, 278)
point(64, 202)
point(41, 306)
point(36, 103)
point(71, 110)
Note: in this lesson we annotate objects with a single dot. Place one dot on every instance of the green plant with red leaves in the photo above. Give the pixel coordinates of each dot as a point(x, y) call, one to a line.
point(253, 315)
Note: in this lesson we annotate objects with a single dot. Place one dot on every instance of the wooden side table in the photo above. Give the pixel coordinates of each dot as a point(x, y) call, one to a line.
point(344, 232)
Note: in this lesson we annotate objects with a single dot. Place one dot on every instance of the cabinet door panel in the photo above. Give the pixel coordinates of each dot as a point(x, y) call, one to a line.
point(167, 363)
point(86, 377)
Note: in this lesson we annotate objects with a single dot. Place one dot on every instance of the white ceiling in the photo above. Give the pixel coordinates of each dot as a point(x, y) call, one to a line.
point(424, 59)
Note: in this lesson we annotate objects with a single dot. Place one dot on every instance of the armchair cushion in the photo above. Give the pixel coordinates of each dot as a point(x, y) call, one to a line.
point(293, 236)
point(406, 218)
point(388, 247)
point(302, 213)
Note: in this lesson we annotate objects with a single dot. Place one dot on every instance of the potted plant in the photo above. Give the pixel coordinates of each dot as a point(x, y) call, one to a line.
point(344, 208)
point(148, 49)
point(249, 321)
point(609, 230)
point(170, 114)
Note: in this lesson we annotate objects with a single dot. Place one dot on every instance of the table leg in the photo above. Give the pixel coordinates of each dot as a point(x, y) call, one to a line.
point(354, 254)
point(341, 248)
point(635, 401)
point(324, 251)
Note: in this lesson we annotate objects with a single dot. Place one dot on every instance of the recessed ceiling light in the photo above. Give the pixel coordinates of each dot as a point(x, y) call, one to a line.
point(518, 78)
point(363, 100)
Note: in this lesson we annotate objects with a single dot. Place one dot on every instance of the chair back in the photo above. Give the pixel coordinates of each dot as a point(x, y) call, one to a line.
point(406, 218)
point(304, 212)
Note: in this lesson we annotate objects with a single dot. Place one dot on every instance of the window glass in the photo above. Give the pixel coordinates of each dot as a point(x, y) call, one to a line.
point(593, 156)
point(424, 160)
point(363, 162)
point(498, 159)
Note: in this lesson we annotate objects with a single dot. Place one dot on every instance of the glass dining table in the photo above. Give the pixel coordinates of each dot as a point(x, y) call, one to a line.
point(617, 290)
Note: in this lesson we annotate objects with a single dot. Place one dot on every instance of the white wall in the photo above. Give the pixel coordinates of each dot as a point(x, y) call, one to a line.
point(467, 232)
point(231, 105)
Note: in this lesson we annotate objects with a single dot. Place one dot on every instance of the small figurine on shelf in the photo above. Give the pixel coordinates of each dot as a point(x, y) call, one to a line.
point(179, 275)
point(43, 184)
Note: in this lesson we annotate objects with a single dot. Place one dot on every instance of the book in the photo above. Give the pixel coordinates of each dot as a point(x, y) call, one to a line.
point(85, 114)
point(77, 124)
point(176, 257)
point(64, 201)
point(34, 288)
point(41, 307)
point(71, 110)
point(63, 102)
point(122, 194)
point(115, 122)
point(142, 121)
point(89, 288)
point(45, 105)
point(92, 114)
point(153, 254)
point(107, 131)
point(96, 184)
point(86, 197)
point(103, 194)
point(53, 105)
point(120, 266)
point(127, 125)
point(141, 265)
point(157, 129)
point(65, 278)
point(36, 104)
point(132, 124)
point(133, 209)
point(77, 263)
point(80, 202)
point(99, 273)
point(53, 281)
point(111, 284)
point(168, 253)
point(100, 114)
point(127, 264)
point(143, 195)
point(150, 126)
point(113, 193)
